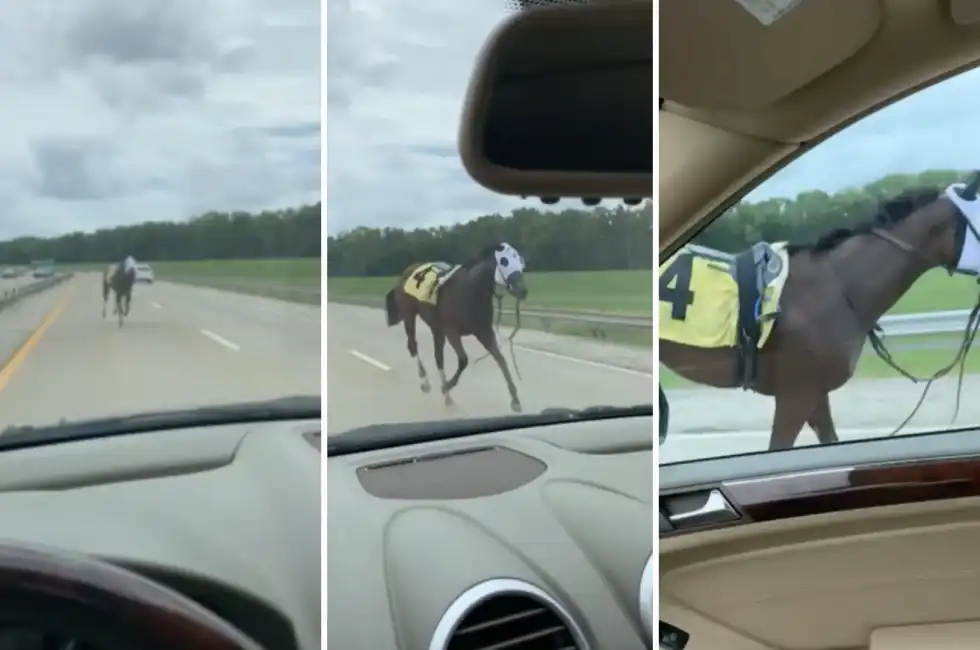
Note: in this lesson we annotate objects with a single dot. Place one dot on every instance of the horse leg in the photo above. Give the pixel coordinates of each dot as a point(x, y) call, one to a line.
point(413, 349)
point(489, 341)
point(822, 422)
point(105, 298)
point(792, 412)
point(456, 341)
point(439, 344)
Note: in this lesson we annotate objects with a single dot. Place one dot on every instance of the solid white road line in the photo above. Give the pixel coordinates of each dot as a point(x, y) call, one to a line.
point(220, 340)
point(370, 361)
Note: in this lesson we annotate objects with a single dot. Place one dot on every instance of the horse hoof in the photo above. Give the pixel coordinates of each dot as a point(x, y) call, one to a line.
point(515, 406)
point(449, 401)
point(425, 386)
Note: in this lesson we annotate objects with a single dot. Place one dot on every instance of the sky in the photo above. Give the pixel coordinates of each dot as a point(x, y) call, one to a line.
point(937, 128)
point(397, 73)
point(122, 111)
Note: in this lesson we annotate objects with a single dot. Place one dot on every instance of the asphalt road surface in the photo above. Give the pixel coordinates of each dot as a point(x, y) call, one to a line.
point(708, 422)
point(372, 379)
point(180, 347)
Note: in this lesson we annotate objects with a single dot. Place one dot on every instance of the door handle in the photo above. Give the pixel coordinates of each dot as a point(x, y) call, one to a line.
point(716, 509)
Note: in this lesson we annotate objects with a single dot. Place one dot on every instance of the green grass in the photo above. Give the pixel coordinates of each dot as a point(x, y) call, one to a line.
point(297, 280)
point(614, 292)
point(628, 293)
point(918, 362)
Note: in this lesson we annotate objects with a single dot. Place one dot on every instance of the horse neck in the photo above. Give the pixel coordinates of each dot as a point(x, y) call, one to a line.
point(481, 278)
point(876, 273)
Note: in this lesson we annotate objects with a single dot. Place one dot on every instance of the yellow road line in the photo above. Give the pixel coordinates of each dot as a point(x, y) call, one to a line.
point(16, 361)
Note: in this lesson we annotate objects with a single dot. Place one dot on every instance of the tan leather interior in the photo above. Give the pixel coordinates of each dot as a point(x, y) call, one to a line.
point(862, 579)
point(741, 100)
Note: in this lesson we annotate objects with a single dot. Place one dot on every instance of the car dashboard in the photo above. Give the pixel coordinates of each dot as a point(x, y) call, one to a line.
point(532, 538)
point(229, 516)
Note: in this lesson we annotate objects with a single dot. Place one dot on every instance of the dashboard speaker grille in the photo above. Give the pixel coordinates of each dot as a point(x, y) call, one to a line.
point(512, 622)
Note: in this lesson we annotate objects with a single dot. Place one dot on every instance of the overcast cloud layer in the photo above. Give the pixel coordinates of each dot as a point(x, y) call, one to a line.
point(934, 129)
point(396, 76)
point(120, 111)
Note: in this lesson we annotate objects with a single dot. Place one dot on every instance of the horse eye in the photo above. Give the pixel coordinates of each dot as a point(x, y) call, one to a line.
point(504, 261)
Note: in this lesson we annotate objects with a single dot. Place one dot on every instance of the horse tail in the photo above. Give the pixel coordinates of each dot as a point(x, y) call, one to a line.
point(391, 306)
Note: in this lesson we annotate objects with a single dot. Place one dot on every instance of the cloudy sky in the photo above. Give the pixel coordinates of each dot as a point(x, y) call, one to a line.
point(938, 128)
point(396, 76)
point(119, 111)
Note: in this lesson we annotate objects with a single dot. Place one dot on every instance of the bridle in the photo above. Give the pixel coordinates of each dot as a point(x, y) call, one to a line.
point(963, 225)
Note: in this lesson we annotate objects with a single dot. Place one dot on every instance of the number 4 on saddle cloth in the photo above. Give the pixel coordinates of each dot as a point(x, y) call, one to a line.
point(424, 283)
point(711, 299)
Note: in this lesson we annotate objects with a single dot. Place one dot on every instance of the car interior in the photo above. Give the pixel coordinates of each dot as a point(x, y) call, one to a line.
point(860, 545)
point(520, 533)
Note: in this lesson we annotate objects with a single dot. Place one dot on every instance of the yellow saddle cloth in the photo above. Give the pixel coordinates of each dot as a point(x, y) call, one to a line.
point(424, 283)
point(699, 303)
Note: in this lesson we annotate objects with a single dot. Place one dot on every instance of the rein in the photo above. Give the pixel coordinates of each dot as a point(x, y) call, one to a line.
point(959, 360)
point(510, 339)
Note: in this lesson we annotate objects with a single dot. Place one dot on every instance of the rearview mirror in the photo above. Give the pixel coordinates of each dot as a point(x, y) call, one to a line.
point(560, 104)
point(664, 415)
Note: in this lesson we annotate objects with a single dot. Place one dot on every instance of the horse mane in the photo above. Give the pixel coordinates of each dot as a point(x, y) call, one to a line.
point(888, 212)
point(484, 253)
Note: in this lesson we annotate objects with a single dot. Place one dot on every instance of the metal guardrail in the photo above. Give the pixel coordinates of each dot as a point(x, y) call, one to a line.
point(545, 316)
point(924, 323)
point(9, 296)
point(896, 325)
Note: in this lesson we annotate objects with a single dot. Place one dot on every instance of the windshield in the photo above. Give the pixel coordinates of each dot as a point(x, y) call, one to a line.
point(822, 306)
point(184, 135)
point(415, 246)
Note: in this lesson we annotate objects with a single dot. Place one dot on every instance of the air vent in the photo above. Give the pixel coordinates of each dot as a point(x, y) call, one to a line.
point(507, 614)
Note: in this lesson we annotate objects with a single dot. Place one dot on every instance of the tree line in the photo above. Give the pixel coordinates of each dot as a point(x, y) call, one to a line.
point(292, 232)
point(580, 239)
point(812, 213)
point(584, 239)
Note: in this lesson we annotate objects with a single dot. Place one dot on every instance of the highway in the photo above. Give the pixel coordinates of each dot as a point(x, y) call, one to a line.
point(180, 347)
point(372, 379)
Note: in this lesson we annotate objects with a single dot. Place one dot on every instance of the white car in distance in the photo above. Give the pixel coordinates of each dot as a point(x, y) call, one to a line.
point(144, 273)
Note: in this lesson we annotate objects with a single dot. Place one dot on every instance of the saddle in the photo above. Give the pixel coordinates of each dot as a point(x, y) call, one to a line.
point(753, 270)
point(443, 271)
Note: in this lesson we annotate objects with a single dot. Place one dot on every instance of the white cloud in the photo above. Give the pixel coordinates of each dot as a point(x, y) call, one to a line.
point(936, 128)
point(119, 111)
point(397, 73)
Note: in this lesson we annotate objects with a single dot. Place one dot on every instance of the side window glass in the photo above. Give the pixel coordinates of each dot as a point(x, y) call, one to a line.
point(791, 320)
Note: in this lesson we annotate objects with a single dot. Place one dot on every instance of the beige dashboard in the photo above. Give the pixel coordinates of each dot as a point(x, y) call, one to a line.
point(228, 515)
point(540, 533)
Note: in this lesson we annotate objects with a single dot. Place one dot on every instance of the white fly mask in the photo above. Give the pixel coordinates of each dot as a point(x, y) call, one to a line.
point(129, 264)
point(969, 261)
point(509, 262)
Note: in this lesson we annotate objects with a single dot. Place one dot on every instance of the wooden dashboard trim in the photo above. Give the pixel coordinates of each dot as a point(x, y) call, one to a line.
point(800, 494)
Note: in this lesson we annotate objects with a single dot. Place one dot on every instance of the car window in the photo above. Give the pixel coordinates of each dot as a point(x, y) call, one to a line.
point(806, 308)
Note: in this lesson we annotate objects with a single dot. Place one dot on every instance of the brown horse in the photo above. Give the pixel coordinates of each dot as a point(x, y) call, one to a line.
point(837, 290)
point(463, 306)
point(119, 278)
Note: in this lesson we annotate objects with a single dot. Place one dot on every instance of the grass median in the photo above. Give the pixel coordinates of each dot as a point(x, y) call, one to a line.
point(615, 293)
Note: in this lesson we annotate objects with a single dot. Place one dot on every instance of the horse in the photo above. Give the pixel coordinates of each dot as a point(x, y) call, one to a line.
point(119, 278)
point(836, 290)
point(457, 301)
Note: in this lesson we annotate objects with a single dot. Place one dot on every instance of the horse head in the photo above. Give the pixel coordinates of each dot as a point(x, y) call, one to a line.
point(509, 266)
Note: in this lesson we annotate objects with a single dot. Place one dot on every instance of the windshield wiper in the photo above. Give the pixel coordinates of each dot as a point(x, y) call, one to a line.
point(299, 407)
point(383, 436)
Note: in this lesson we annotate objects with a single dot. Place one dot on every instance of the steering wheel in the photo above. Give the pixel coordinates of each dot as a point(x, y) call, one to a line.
point(96, 604)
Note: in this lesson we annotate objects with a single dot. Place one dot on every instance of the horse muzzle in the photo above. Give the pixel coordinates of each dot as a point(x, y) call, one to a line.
point(516, 287)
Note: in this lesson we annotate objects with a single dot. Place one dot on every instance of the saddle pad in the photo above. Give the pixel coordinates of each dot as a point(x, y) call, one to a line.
point(424, 282)
point(700, 307)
